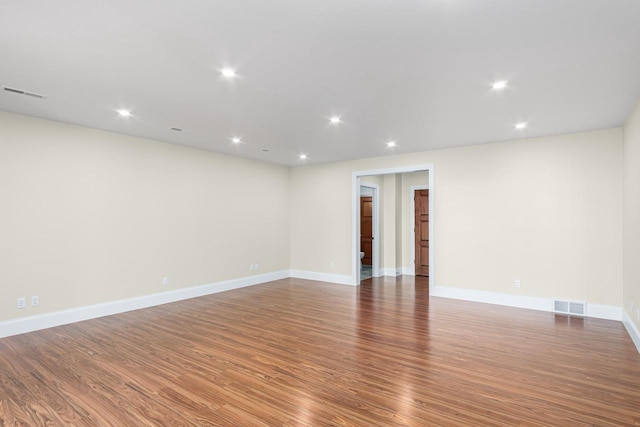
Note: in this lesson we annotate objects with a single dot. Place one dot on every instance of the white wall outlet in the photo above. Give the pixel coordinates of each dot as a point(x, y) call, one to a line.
point(165, 280)
point(250, 267)
point(35, 301)
point(22, 303)
point(257, 266)
point(517, 284)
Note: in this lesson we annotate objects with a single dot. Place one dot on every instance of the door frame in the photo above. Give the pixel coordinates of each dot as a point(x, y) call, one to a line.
point(355, 216)
point(412, 213)
point(375, 230)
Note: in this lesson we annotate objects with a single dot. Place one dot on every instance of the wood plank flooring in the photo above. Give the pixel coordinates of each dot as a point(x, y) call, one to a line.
point(302, 353)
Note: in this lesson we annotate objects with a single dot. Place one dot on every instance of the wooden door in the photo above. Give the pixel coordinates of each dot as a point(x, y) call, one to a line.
point(422, 232)
point(366, 229)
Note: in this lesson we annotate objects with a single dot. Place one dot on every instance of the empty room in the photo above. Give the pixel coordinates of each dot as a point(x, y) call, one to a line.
point(320, 213)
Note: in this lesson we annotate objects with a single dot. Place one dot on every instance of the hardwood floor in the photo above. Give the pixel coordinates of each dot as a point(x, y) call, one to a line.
point(302, 353)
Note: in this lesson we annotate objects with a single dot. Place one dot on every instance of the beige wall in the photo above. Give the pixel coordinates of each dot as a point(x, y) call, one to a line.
point(398, 222)
point(632, 216)
point(547, 211)
point(89, 216)
point(389, 221)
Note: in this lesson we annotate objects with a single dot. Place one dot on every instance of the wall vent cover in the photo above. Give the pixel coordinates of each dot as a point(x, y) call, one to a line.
point(23, 92)
point(575, 308)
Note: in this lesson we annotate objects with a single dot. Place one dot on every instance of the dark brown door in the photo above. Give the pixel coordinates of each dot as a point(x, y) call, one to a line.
point(366, 229)
point(422, 232)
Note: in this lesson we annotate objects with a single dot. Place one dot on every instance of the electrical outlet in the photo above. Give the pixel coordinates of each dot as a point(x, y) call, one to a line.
point(257, 266)
point(250, 267)
point(22, 303)
point(35, 301)
point(517, 284)
point(165, 280)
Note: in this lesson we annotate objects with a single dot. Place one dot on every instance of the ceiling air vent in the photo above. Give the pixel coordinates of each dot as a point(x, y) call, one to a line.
point(570, 307)
point(23, 92)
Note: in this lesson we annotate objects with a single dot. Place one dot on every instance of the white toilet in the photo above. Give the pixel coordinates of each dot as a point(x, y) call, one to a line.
point(361, 256)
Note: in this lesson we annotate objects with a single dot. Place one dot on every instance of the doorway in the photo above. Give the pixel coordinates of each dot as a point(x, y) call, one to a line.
point(366, 236)
point(356, 221)
point(369, 228)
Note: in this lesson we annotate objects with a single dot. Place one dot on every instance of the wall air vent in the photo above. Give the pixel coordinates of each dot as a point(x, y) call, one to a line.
point(23, 92)
point(570, 307)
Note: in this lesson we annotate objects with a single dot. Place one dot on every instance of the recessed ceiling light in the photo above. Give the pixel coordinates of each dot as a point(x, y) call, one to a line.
point(391, 144)
point(235, 140)
point(303, 156)
point(521, 125)
point(499, 85)
point(335, 120)
point(228, 72)
point(124, 113)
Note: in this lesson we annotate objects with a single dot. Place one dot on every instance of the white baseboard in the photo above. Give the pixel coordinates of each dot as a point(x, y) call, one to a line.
point(604, 312)
point(408, 271)
point(509, 300)
point(49, 320)
point(521, 301)
point(322, 277)
point(632, 329)
point(391, 271)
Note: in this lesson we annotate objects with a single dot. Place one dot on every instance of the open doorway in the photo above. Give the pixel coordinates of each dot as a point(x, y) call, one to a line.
point(396, 231)
point(369, 230)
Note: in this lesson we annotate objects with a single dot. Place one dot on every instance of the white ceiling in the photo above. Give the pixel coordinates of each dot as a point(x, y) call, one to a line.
point(414, 71)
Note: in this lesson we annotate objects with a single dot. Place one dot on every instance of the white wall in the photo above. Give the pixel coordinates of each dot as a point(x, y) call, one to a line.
point(88, 216)
point(547, 211)
point(632, 217)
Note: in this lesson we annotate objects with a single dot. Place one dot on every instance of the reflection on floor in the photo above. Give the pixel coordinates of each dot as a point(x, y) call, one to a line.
point(365, 272)
point(300, 352)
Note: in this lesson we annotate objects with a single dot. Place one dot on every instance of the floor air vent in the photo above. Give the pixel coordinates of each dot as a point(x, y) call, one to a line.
point(570, 307)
